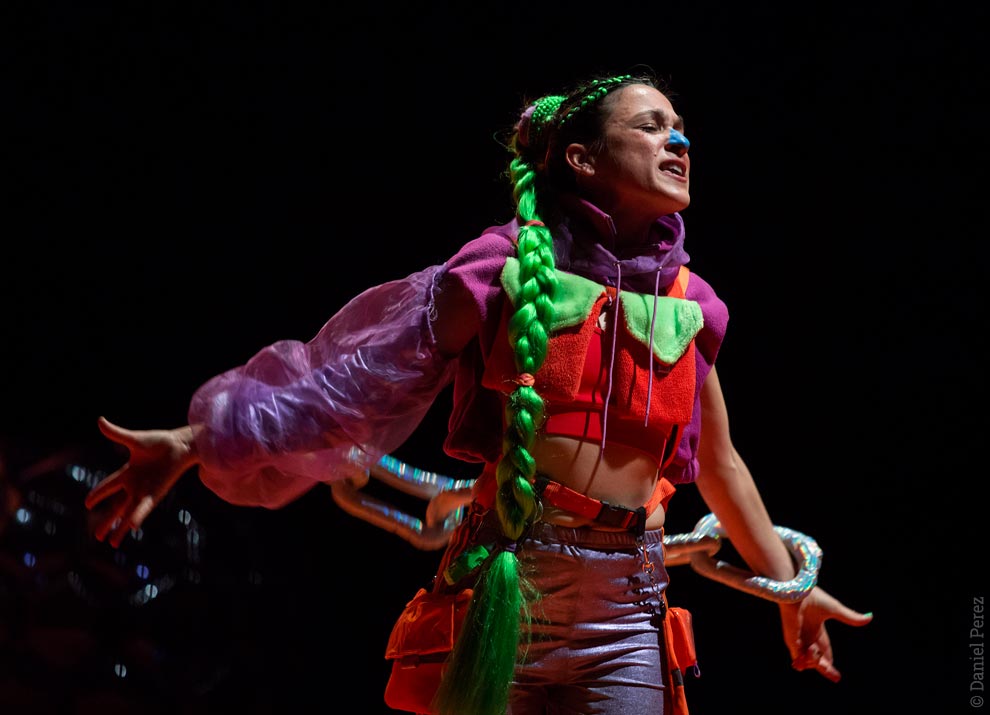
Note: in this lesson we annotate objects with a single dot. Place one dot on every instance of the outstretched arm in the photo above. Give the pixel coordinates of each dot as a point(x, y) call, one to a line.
point(157, 459)
point(728, 489)
point(298, 414)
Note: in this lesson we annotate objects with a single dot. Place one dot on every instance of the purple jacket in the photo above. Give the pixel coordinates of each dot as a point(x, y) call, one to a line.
point(297, 414)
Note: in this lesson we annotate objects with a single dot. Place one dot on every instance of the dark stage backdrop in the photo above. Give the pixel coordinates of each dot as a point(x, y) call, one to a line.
point(187, 183)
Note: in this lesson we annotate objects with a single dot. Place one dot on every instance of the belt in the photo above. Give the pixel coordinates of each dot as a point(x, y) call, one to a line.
point(601, 512)
point(558, 495)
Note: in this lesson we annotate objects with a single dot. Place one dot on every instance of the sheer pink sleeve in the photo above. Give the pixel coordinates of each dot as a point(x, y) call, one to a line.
point(296, 413)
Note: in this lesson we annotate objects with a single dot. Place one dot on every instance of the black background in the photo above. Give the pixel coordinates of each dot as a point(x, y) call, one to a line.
point(191, 182)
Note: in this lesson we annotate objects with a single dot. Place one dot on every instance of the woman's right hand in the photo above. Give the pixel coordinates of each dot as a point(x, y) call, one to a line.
point(157, 459)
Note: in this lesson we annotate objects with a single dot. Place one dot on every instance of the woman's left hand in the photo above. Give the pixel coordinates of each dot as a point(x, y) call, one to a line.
point(804, 630)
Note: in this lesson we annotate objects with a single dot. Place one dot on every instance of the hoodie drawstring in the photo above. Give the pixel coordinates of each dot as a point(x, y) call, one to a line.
point(653, 323)
point(611, 360)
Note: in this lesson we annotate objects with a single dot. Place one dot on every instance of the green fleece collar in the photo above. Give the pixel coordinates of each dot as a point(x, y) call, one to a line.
point(678, 320)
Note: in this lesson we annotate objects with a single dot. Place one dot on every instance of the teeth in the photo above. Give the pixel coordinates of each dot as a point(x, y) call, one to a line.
point(674, 169)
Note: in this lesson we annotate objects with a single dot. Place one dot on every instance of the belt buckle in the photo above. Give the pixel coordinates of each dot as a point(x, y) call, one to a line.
point(633, 520)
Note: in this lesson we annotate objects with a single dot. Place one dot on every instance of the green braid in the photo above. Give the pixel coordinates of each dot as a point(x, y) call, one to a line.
point(481, 666)
point(479, 672)
point(597, 89)
point(529, 331)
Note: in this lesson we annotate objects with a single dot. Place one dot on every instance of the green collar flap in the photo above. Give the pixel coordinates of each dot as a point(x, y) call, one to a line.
point(677, 322)
point(575, 298)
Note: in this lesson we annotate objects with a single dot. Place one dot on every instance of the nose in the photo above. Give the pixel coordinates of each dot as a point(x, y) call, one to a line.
point(678, 142)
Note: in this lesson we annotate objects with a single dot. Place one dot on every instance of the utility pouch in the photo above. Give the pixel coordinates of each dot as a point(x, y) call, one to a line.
point(678, 635)
point(418, 646)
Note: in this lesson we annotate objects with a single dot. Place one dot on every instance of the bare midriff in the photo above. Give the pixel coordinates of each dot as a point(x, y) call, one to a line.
point(621, 475)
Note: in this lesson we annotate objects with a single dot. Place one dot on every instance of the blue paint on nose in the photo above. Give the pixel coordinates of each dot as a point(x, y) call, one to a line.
point(678, 139)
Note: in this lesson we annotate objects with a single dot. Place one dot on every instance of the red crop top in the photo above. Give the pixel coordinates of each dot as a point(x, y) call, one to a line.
point(583, 417)
point(574, 381)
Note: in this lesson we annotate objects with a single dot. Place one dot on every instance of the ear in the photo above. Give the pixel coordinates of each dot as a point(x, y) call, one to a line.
point(580, 159)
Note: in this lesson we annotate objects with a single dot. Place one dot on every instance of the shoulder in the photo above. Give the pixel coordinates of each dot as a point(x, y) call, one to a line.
point(475, 269)
point(713, 310)
point(470, 288)
point(700, 290)
point(490, 249)
point(698, 287)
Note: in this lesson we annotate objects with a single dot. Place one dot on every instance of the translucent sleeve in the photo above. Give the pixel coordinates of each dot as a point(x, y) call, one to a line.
point(297, 414)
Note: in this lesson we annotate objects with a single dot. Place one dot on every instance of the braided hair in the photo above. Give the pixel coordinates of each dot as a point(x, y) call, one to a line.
point(480, 670)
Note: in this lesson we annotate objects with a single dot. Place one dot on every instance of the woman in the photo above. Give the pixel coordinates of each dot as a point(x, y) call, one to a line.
point(582, 300)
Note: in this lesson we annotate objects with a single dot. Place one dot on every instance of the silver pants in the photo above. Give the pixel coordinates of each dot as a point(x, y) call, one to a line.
point(594, 646)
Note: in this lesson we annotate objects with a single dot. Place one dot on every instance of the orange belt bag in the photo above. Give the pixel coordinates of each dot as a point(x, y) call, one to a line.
point(420, 642)
point(678, 632)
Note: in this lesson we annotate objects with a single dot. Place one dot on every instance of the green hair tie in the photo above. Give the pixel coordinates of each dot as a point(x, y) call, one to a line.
point(545, 108)
point(537, 117)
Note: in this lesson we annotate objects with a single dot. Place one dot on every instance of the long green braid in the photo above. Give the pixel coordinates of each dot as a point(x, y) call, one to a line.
point(480, 670)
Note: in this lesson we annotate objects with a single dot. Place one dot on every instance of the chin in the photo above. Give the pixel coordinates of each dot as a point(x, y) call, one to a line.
point(671, 198)
point(675, 204)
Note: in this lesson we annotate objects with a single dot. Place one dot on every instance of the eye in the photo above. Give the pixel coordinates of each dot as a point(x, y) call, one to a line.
point(651, 127)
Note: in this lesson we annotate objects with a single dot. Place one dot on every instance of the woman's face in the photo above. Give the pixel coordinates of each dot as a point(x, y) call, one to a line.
point(644, 165)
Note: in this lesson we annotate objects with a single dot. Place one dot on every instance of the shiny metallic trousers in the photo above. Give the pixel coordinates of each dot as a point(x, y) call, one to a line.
point(594, 645)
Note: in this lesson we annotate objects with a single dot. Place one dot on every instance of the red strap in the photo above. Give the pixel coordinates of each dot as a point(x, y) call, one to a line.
point(566, 498)
point(679, 287)
point(569, 500)
point(577, 503)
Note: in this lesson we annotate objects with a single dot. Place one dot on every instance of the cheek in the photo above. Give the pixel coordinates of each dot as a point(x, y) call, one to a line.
point(639, 153)
point(649, 148)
